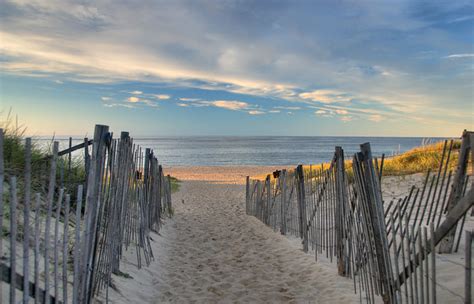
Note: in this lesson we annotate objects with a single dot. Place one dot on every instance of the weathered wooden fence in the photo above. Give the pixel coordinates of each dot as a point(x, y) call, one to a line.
point(387, 248)
point(71, 248)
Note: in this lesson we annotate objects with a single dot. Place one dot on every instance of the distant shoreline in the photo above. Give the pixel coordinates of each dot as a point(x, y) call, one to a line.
point(223, 174)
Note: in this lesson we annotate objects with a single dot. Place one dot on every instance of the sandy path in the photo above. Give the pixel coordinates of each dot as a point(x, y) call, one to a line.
point(212, 252)
point(220, 255)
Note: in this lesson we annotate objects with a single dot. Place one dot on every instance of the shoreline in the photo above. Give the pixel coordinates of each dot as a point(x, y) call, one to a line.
point(221, 174)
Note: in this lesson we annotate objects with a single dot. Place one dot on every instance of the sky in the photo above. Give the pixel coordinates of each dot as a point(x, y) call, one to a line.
point(158, 68)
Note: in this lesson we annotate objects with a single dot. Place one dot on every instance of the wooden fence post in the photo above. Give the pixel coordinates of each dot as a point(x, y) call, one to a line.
point(50, 199)
point(36, 290)
point(65, 247)
point(266, 216)
point(26, 221)
point(247, 193)
point(258, 204)
point(375, 208)
point(283, 202)
point(87, 162)
point(92, 209)
point(341, 204)
point(146, 181)
point(160, 189)
point(303, 222)
point(13, 232)
point(170, 206)
point(77, 246)
point(446, 245)
point(69, 162)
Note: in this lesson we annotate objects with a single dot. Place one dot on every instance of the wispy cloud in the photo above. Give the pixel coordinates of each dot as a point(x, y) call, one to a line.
point(256, 112)
point(136, 92)
point(376, 118)
point(326, 96)
point(150, 103)
point(341, 112)
point(119, 105)
point(455, 56)
point(288, 107)
point(320, 112)
point(230, 104)
point(131, 102)
point(162, 96)
point(189, 99)
point(133, 99)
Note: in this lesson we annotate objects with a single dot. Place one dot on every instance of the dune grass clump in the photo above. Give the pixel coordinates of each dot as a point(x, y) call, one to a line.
point(421, 159)
point(14, 148)
point(14, 161)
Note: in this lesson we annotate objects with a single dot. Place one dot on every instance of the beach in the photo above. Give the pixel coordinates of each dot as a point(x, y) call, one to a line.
point(212, 252)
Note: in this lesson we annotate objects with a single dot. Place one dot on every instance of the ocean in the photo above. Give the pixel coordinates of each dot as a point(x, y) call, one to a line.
point(258, 150)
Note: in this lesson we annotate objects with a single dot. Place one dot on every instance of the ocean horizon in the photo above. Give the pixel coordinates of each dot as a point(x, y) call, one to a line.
point(257, 150)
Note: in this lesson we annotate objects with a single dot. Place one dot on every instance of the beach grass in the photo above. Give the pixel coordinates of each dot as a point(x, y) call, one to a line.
point(420, 159)
point(417, 160)
point(14, 160)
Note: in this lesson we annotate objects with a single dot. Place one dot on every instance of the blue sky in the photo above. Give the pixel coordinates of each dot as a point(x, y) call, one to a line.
point(403, 68)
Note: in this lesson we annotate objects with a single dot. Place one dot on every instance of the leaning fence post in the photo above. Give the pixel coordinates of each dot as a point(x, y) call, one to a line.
point(92, 209)
point(375, 208)
point(446, 245)
point(341, 205)
point(302, 207)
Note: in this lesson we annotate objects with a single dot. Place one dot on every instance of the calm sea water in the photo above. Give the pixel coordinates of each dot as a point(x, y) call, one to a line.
point(259, 150)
